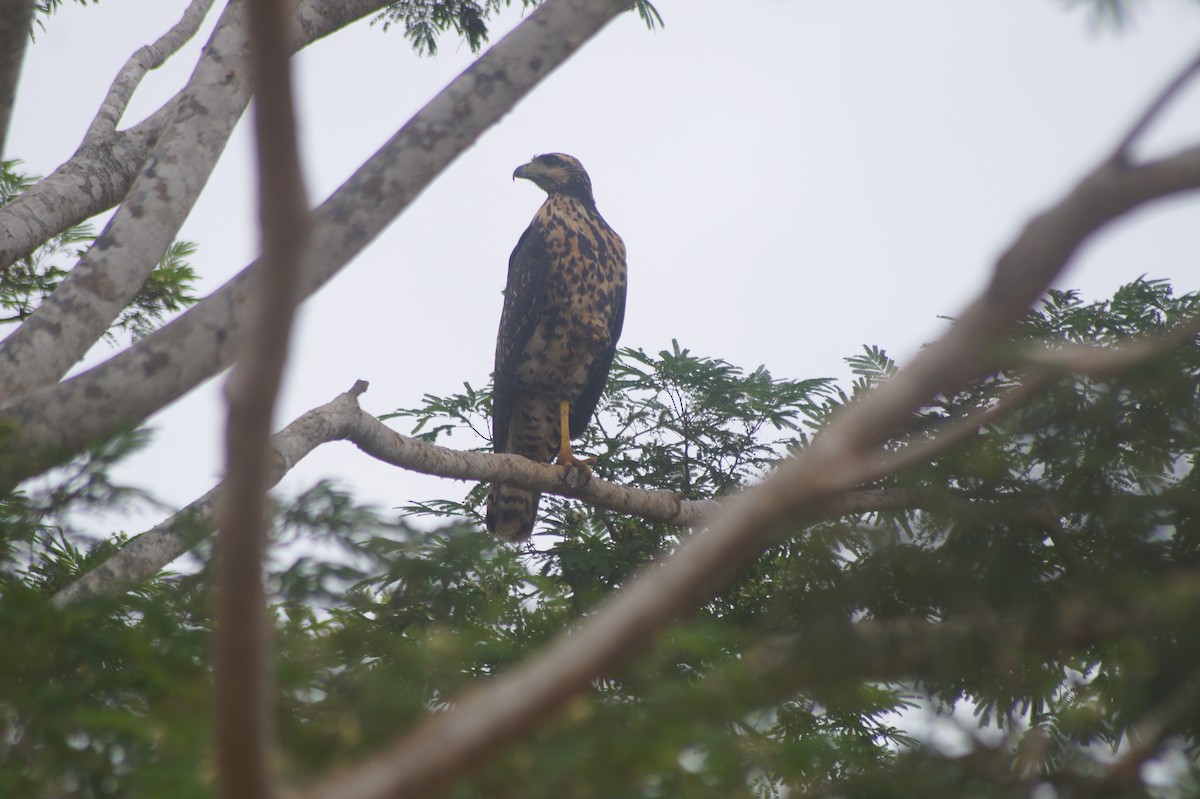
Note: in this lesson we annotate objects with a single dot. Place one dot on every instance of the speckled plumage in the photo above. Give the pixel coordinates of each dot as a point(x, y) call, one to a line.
point(563, 310)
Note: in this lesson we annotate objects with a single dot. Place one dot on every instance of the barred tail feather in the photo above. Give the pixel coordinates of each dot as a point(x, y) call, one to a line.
point(511, 512)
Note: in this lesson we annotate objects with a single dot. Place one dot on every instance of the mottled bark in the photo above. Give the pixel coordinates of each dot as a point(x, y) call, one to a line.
point(101, 285)
point(152, 56)
point(100, 172)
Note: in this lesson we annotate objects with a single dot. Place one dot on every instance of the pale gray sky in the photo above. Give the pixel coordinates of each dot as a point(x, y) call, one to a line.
point(793, 179)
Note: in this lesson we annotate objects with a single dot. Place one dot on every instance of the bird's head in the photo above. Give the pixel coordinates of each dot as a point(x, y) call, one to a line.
point(556, 173)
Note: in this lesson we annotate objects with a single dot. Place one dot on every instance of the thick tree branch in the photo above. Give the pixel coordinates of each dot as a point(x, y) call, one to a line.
point(151, 56)
point(78, 313)
point(343, 420)
point(90, 182)
point(102, 169)
point(15, 19)
point(497, 711)
point(244, 738)
point(53, 423)
point(145, 555)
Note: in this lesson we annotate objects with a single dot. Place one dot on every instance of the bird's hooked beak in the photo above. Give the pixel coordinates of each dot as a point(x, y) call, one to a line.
point(522, 172)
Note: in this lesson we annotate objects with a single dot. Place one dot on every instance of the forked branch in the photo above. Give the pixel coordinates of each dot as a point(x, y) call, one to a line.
point(101, 171)
point(151, 56)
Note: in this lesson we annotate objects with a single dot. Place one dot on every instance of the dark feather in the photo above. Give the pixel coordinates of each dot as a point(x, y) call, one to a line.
point(527, 268)
point(585, 406)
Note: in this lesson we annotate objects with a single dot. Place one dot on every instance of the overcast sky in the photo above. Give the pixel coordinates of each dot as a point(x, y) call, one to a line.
point(793, 179)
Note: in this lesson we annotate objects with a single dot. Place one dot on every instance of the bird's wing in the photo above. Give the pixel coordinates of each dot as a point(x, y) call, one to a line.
point(585, 406)
point(527, 269)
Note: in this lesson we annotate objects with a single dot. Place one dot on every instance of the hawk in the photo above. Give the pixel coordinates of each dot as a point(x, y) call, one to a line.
point(563, 310)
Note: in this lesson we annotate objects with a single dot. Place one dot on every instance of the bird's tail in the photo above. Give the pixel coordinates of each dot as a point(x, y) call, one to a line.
point(511, 512)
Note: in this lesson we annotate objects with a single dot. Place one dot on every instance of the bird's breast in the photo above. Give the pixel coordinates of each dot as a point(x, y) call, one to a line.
point(585, 280)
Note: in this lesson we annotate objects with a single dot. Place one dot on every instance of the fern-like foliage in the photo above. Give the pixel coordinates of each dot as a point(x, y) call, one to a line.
point(1042, 575)
point(27, 282)
point(424, 21)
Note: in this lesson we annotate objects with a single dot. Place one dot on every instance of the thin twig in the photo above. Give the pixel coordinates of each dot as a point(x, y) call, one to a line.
point(148, 57)
point(240, 663)
point(959, 430)
point(1157, 105)
point(1097, 361)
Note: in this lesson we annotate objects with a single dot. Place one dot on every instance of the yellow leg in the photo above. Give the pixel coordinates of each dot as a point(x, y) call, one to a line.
point(565, 456)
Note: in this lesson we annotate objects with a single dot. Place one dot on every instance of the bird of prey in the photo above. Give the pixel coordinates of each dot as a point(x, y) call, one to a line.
point(563, 310)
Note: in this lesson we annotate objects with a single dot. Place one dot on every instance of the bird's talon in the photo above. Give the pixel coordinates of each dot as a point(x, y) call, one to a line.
point(569, 460)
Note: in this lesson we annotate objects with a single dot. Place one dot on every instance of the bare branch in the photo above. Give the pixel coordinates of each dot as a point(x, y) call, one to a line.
point(101, 171)
point(957, 431)
point(343, 419)
point(15, 19)
point(66, 325)
point(1157, 106)
point(145, 555)
point(151, 56)
point(95, 292)
point(381, 442)
point(60, 420)
point(90, 182)
point(1098, 361)
point(497, 711)
point(148, 553)
point(241, 678)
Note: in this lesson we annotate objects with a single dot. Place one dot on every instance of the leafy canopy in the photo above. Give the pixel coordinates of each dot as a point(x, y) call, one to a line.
point(1041, 576)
